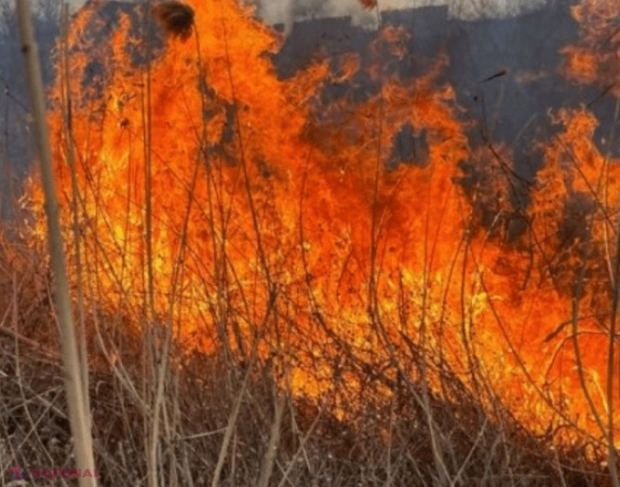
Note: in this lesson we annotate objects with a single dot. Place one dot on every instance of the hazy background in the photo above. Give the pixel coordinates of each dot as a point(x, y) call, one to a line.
point(288, 11)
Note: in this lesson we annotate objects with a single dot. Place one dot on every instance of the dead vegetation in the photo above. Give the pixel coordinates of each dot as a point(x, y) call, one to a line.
point(168, 414)
point(176, 18)
point(339, 440)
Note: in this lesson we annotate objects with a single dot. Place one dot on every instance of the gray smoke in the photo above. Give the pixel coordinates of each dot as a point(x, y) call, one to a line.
point(287, 12)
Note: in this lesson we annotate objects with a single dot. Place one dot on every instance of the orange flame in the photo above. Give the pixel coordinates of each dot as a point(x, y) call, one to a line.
point(269, 219)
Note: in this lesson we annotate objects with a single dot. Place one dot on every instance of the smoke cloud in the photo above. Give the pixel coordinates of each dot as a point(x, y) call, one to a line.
point(289, 11)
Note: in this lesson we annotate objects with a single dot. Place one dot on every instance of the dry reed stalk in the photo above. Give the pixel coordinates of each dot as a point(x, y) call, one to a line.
point(78, 414)
point(269, 458)
point(75, 209)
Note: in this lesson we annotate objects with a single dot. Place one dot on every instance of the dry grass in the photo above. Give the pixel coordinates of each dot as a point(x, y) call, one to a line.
point(165, 415)
point(379, 440)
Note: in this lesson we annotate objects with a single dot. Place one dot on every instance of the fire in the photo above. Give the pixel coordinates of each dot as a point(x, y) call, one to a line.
point(248, 209)
point(594, 59)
